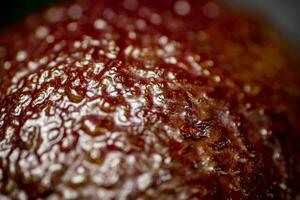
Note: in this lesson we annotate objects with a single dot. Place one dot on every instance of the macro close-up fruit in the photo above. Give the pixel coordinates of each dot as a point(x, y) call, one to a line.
point(186, 99)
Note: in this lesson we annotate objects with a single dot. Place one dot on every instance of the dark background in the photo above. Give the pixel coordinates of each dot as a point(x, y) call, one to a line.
point(12, 10)
point(285, 14)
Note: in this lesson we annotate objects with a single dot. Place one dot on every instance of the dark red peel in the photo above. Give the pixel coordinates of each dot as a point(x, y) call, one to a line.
point(147, 100)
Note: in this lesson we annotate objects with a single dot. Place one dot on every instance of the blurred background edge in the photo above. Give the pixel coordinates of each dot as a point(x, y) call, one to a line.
point(285, 15)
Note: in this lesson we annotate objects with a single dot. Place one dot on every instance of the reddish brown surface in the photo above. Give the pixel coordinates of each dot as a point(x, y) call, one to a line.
point(155, 99)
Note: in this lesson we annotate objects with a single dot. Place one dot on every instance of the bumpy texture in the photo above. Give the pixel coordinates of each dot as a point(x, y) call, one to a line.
point(147, 100)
